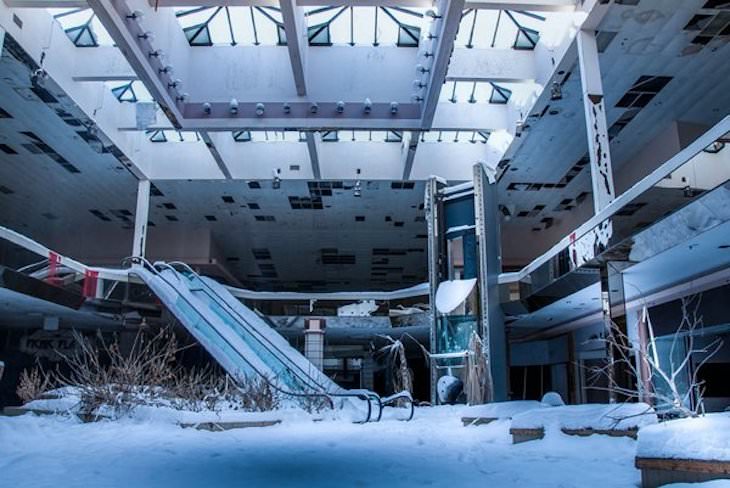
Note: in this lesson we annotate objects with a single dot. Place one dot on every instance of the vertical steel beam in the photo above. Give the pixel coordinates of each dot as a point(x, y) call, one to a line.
point(646, 387)
point(432, 207)
point(614, 318)
point(313, 149)
point(450, 17)
point(141, 216)
point(115, 16)
point(490, 266)
point(295, 27)
point(595, 117)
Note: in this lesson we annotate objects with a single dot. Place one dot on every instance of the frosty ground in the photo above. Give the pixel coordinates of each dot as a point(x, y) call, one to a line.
point(432, 450)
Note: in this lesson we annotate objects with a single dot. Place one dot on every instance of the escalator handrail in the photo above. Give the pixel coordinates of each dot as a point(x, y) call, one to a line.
point(261, 338)
point(147, 264)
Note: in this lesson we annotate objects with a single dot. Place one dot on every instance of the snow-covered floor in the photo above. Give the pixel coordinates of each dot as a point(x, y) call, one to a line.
point(432, 450)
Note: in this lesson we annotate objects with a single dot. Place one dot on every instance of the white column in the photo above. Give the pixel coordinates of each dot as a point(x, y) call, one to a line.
point(141, 216)
point(595, 112)
point(314, 342)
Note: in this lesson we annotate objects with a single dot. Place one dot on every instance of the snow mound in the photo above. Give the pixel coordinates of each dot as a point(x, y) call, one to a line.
point(704, 438)
point(450, 294)
point(553, 399)
point(591, 416)
point(501, 410)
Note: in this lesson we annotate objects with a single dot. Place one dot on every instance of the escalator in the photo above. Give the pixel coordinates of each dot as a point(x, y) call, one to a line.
point(246, 346)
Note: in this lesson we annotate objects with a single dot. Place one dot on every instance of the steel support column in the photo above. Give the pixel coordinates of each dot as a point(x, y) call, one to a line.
point(433, 220)
point(614, 318)
point(595, 117)
point(141, 216)
point(490, 265)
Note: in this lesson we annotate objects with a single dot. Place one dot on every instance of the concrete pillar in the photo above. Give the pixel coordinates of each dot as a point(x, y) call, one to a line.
point(490, 265)
point(595, 116)
point(141, 216)
point(314, 342)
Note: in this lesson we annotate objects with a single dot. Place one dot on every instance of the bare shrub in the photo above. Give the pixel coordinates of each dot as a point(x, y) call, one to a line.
point(314, 403)
point(257, 395)
point(33, 384)
point(106, 377)
point(114, 383)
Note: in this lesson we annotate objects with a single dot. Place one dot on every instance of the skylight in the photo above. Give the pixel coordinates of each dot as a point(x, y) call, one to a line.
point(364, 26)
point(476, 92)
point(82, 27)
point(326, 26)
point(499, 29)
point(160, 135)
point(207, 26)
point(130, 91)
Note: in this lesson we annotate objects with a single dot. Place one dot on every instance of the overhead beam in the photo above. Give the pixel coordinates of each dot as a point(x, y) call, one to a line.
point(530, 5)
point(409, 147)
point(216, 155)
point(129, 38)
point(296, 42)
point(313, 148)
point(46, 3)
point(450, 12)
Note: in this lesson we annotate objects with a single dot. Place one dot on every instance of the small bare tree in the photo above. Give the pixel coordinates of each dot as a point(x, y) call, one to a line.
point(670, 382)
point(396, 353)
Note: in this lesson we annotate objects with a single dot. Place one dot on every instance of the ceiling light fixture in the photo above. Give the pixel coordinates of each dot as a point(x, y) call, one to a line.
point(287, 108)
point(207, 108)
point(556, 91)
point(166, 69)
point(393, 108)
point(340, 107)
point(233, 106)
point(260, 109)
point(422, 69)
point(368, 107)
point(276, 184)
point(137, 14)
point(313, 108)
point(38, 77)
